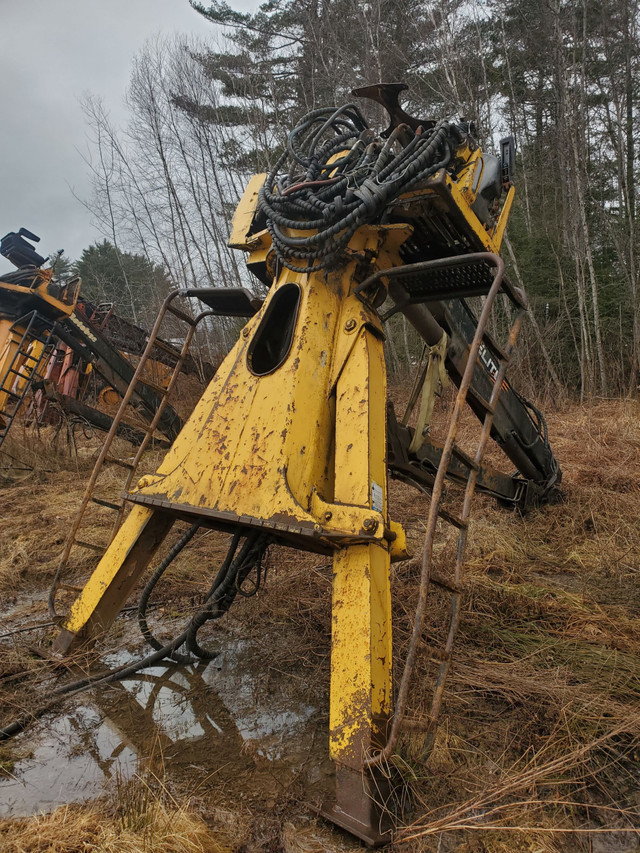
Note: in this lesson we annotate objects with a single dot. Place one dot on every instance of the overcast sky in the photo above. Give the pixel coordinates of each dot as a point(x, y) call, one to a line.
point(51, 52)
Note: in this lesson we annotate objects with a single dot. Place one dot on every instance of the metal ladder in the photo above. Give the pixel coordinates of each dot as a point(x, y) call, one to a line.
point(24, 366)
point(108, 457)
point(452, 582)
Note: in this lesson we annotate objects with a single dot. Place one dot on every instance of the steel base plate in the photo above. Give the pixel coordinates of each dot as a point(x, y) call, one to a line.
point(357, 807)
point(365, 832)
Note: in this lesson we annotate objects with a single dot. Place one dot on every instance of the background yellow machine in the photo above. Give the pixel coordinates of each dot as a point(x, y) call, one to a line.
point(42, 320)
point(30, 304)
point(292, 441)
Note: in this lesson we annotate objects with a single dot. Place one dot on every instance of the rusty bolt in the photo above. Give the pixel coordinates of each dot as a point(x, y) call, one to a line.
point(317, 528)
point(328, 516)
point(350, 325)
point(245, 332)
point(370, 524)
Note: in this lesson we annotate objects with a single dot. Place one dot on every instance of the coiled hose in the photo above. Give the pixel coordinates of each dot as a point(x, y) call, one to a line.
point(328, 196)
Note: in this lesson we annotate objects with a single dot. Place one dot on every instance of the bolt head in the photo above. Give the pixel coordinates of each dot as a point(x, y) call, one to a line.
point(350, 325)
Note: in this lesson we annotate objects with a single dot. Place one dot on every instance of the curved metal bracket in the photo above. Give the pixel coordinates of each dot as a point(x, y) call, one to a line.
point(386, 94)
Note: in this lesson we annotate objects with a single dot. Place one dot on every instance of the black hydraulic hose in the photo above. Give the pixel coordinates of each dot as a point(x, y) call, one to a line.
point(146, 594)
point(332, 121)
point(223, 573)
point(325, 114)
point(329, 200)
point(225, 589)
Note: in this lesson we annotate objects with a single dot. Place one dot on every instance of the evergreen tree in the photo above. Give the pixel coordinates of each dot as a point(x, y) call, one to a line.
point(293, 56)
point(132, 283)
point(61, 265)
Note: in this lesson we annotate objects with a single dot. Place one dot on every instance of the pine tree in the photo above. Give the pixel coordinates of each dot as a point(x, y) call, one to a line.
point(291, 57)
point(132, 283)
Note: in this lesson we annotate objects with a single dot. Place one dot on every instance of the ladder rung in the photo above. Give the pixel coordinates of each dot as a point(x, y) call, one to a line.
point(463, 457)
point(108, 504)
point(438, 655)
point(121, 462)
point(480, 400)
point(91, 546)
point(444, 583)
point(167, 348)
point(453, 519)
point(417, 724)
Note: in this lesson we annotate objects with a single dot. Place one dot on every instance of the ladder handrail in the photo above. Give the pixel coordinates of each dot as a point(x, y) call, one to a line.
point(435, 513)
point(89, 489)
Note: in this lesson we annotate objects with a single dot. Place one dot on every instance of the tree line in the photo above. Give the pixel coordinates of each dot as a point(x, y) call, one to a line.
point(560, 75)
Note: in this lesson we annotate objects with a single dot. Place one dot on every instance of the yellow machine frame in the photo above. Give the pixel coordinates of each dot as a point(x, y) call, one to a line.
point(296, 446)
point(38, 296)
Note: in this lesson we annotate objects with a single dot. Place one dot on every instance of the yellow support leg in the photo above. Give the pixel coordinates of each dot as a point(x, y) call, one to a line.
point(114, 578)
point(361, 688)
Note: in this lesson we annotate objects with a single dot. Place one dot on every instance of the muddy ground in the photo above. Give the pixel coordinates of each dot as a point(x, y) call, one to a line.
point(538, 747)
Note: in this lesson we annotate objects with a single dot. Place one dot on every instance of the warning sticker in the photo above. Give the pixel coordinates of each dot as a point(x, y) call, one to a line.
point(376, 496)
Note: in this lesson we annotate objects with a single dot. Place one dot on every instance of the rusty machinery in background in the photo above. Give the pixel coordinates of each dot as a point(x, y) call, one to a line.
point(293, 440)
point(64, 352)
point(30, 305)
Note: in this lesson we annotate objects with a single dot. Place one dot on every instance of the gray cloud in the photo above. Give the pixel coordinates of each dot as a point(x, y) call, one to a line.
point(51, 52)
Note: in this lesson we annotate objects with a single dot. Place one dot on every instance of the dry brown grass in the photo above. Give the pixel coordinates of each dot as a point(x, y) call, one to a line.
point(138, 815)
point(99, 828)
point(540, 732)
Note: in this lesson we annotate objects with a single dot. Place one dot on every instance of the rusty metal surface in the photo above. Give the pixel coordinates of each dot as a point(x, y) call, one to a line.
point(387, 94)
point(361, 806)
point(289, 530)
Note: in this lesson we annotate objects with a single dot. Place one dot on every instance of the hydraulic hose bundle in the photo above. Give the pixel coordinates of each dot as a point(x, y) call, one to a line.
point(226, 585)
point(334, 185)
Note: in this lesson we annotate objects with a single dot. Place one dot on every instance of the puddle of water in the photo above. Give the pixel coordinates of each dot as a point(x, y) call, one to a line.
point(23, 606)
point(270, 717)
point(227, 718)
point(70, 760)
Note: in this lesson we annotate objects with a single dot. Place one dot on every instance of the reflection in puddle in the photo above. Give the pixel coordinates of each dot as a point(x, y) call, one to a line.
point(70, 759)
point(225, 713)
